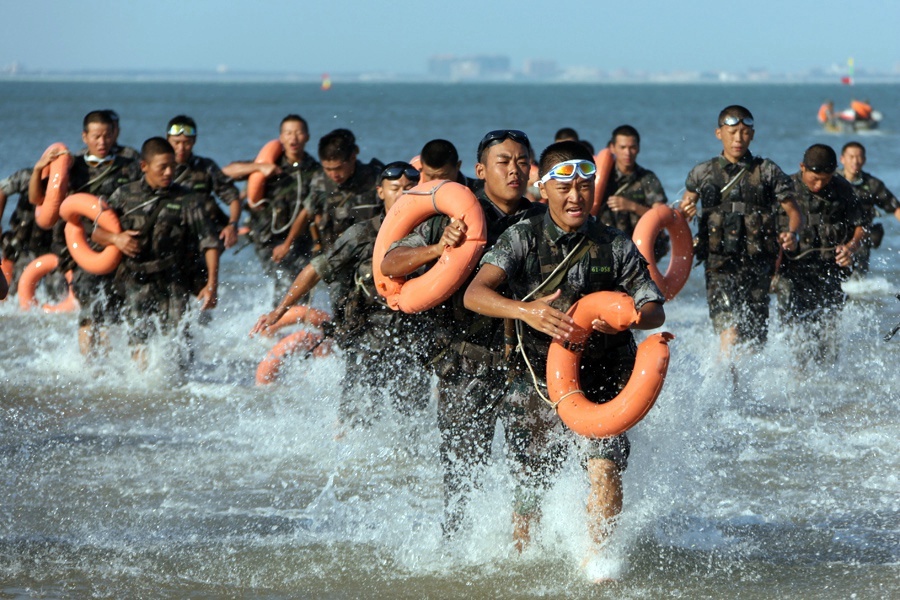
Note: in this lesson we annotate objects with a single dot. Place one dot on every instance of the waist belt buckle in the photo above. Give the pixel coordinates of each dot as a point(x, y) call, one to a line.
point(739, 207)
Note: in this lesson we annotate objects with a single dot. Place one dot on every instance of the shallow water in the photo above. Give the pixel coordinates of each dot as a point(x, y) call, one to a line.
point(118, 483)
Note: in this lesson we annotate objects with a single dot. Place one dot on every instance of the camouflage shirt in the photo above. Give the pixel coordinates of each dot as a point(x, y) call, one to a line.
point(180, 229)
point(23, 233)
point(641, 186)
point(203, 176)
point(529, 250)
point(337, 207)
point(283, 194)
point(872, 192)
point(126, 152)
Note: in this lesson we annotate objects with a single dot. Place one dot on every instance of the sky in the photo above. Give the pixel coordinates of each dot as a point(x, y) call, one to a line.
point(351, 36)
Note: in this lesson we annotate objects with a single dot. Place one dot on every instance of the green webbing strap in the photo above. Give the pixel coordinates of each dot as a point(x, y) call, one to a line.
point(562, 270)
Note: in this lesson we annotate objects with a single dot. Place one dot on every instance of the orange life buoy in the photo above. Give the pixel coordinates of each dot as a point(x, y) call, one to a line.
point(46, 213)
point(31, 277)
point(591, 419)
point(660, 217)
point(89, 206)
point(298, 314)
point(299, 341)
point(605, 162)
point(256, 182)
point(455, 264)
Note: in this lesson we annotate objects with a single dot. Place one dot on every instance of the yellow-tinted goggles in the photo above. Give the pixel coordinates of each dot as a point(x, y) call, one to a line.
point(568, 170)
point(178, 129)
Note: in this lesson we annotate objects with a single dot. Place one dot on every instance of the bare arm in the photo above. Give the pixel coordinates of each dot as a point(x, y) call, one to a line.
point(242, 170)
point(125, 241)
point(796, 223)
point(297, 227)
point(403, 260)
point(305, 281)
point(209, 294)
point(843, 254)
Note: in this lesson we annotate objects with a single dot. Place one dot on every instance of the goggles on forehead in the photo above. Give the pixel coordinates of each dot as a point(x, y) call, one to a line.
point(568, 170)
point(178, 129)
point(731, 121)
point(499, 135)
point(398, 170)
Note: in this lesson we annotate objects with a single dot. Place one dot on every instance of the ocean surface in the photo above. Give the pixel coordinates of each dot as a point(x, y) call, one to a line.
point(116, 483)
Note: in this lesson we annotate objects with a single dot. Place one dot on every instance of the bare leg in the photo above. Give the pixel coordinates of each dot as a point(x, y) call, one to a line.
point(86, 340)
point(522, 529)
point(605, 499)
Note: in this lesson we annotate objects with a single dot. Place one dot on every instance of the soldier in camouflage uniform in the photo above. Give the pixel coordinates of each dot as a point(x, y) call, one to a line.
point(468, 350)
point(738, 238)
point(279, 236)
point(126, 152)
point(524, 259)
point(204, 177)
point(380, 345)
point(162, 223)
point(632, 190)
point(97, 172)
point(809, 289)
point(872, 194)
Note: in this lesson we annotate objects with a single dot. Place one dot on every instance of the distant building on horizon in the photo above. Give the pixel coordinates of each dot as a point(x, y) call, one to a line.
point(449, 66)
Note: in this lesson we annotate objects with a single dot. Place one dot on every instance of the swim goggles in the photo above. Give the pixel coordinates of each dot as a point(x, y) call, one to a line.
point(178, 129)
point(396, 170)
point(568, 170)
point(499, 135)
point(731, 121)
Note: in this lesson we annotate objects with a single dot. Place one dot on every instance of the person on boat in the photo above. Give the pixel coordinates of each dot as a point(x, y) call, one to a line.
point(163, 223)
point(380, 345)
point(203, 176)
point(517, 281)
point(827, 116)
point(862, 109)
point(467, 351)
point(873, 195)
point(809, 288)
point(440, 160)
point(632, 190)
point(738, 240)
point(99, 171)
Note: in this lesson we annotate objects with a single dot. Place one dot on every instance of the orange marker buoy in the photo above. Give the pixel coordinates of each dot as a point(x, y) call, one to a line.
point(616, 416)
point(645, 233)
point(46, 213)
point(256, 182)
point(31, 277)
point(455, 264)
point(86, 205)
point(299, 341)
point(605, 162)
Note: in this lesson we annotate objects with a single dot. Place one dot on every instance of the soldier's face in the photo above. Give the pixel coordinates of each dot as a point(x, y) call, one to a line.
point(569, 202)
point(390, 190)
point(293, 138)
point(853, 159)
point(339, 171)
point(815, 182)
point(625, 148)
point(158, 170)
point(184, 147)
point(735, 140)
point(98, 138)
point(505, 171)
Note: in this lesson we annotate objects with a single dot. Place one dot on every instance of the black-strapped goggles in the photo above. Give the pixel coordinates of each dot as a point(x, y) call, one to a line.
point(731, 121)
point(499, 135)
point(398, 169)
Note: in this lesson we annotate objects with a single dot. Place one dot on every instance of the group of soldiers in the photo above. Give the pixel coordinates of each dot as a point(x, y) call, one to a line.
point(318, 218)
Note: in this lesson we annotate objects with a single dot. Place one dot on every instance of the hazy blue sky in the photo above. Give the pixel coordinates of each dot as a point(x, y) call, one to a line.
point(399, 36)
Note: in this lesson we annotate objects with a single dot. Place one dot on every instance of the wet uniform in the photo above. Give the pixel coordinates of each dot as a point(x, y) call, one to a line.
point(336, 207)
point(270, 222)
point(528, 252)
point(641, 186)
point(470, 364)
point(381, 346)
point(172, 225)
point(871, 193)
point(738, 239)
point(24, 240)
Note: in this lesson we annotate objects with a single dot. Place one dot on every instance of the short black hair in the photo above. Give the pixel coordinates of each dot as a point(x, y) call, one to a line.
point(735, 110)
point(624, 131)
point(155, 146)
point(820, 158)
point(853, 144)
point(181, 120)
point(438, 154)
point(339, 144)
point(558, 152)
point(98, 116)
point(293, 117)
point(566, 133)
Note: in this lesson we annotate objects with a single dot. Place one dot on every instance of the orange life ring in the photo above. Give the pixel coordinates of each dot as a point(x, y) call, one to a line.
point(455, 264)
point(605, 162)
point(86, 205)
point(8, 268)
point(46, 213)
point(591, 419)
point(660, 217)
point(256, 181)
point(299, 341)
point(298, 314)
point(32, 275)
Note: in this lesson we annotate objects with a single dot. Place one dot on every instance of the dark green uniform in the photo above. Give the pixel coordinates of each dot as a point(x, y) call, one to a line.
point(336, 207)
point(872, 195)
point(641, 186)
point(172, 225)
point(738, 239)
point(469, 361)
point(528, 252)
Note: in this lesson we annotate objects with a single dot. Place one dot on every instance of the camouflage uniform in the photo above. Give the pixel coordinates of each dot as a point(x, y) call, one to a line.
point(203, 176)
point(126, 152)
point(643, 187)
point(270, 223)
point(871, 193)
point(528, 252)
point(24, 240)
point(810, 287)
point(95, 293)
point(381, 346)
point(336, 207)
point(470, 364)
point(154, 283)
point(738, 239)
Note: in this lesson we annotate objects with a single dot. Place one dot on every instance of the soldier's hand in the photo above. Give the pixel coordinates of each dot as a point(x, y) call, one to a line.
point(208, 297)
point(689, 207)
point(127, 242)
point(454, 234)
point(843, 256)
point(539, 315)
point(603, 327)
point(620, 203)
point(789, 241)
point(268, 169)
point(280, 251)
point(48, 158)
point(266, 321)
point(229, 235)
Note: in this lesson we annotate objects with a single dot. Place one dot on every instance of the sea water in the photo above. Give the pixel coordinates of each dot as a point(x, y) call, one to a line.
point(119, 483)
